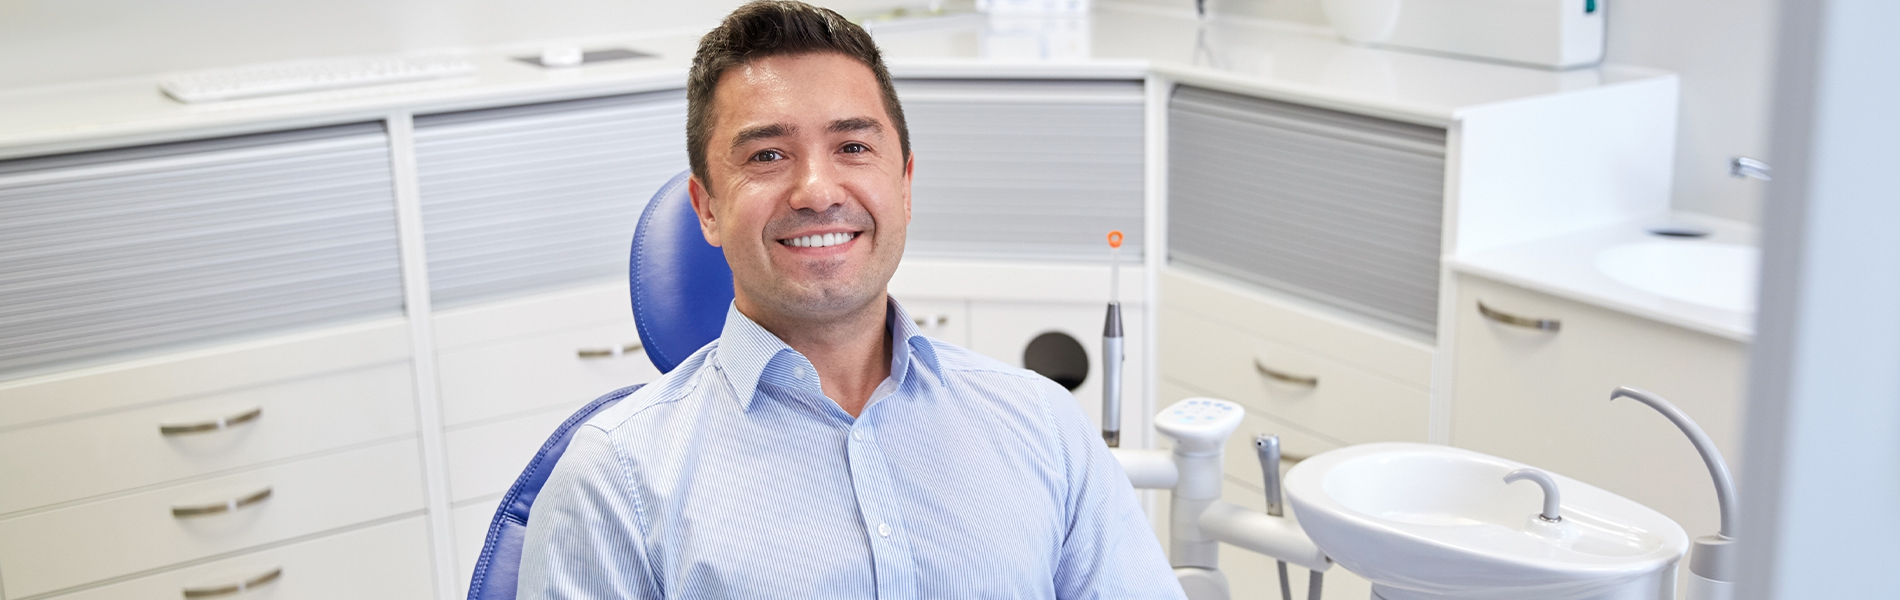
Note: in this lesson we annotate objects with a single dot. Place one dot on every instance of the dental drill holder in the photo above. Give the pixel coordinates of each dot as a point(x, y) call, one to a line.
point(1198, 520)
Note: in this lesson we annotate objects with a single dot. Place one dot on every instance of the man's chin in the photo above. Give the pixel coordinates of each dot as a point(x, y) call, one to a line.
point(827, 302)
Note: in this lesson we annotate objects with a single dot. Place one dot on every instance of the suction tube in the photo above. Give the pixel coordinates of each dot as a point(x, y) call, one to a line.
point(1709, 560)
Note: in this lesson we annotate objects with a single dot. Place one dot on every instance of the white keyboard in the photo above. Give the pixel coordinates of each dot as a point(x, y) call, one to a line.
point(270, 79)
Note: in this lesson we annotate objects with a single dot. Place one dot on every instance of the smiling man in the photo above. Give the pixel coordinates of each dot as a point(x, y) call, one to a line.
point(821, 447)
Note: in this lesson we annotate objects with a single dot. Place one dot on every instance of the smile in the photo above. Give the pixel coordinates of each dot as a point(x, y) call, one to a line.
point(820, 240)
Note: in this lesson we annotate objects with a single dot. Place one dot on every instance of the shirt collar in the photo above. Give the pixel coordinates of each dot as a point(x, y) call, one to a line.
point(747, 352)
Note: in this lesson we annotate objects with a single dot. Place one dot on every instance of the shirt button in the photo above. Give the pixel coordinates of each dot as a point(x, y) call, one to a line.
point(799, 372)
point(884, 529)
point(857, 434)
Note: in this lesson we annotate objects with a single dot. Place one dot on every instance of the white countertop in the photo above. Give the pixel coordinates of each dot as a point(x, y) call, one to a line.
point(1566, 267)
point(1262, 58)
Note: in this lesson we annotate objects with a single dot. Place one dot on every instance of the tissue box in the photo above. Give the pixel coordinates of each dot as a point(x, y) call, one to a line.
point(1553, 34)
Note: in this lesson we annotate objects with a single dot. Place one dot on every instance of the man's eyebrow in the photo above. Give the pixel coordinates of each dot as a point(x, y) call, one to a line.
point(856, 124)
point(762, 132)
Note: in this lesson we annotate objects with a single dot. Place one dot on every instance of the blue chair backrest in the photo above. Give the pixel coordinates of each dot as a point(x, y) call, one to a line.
point(681, 287)
point(681, 284)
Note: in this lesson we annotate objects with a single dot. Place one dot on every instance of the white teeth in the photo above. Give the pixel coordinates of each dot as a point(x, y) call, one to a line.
point(822, 240)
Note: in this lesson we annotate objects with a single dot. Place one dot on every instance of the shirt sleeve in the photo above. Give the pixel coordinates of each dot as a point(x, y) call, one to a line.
point(1110, 550)
point(584, 534)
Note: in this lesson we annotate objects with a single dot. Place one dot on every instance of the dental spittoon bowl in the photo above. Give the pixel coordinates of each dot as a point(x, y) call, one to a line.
point(1434, 522)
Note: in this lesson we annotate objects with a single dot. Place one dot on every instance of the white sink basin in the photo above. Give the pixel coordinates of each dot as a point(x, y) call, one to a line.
point(1706, 273)
point(1431, 522)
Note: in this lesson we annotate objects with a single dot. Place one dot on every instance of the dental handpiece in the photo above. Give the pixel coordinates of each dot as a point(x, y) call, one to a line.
point(1112, 350)
point(1268, 448)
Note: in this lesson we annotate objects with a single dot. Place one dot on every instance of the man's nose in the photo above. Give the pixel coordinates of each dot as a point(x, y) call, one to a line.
point(819, 187)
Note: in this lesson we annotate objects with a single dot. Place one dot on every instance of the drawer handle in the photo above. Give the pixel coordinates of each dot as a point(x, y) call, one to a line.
point(217, 424)
point(1285, 377)
point(930, 320)
point(614, 352)
point(235, 588)
point(199, 510)
point(1517, 321)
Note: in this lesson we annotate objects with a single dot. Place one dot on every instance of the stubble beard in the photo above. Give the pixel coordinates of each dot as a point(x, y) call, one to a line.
point(829, 290)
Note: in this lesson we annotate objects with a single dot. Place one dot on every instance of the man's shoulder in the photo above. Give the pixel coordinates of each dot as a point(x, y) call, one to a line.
point(675, 385)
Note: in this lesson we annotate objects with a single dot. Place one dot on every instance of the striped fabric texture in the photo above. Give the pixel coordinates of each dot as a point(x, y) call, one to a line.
point(733, 476)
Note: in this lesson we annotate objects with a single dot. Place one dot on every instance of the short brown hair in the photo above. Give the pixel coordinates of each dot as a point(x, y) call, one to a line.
point(766, 28)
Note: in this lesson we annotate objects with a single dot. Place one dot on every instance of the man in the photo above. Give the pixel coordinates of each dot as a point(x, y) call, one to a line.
point(821, 447)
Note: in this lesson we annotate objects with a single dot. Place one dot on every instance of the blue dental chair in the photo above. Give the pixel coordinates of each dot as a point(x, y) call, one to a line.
point(681, 287)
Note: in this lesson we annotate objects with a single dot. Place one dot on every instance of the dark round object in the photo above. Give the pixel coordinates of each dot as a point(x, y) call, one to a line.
point(1059, 357)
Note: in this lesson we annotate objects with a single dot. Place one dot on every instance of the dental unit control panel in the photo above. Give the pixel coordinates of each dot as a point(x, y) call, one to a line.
point(1199, 425)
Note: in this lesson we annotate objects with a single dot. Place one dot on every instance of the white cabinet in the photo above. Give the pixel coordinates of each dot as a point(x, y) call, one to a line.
point(386, 561)
point(66, 547)
point(563, 348)
point(115, 254)
point(1340, 215)
point(944, 319)
point(1542, 397)
point(471, 532)
point(314, 417)
point(1323, 382)
point(1024, 170)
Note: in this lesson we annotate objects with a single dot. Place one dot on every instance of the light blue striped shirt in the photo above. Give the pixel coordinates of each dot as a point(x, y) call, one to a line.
point(734, 476)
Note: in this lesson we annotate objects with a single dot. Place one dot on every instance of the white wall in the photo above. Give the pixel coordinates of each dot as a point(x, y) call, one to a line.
point(1724, 50)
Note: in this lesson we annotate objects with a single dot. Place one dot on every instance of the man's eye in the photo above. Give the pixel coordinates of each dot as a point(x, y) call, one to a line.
point(855, 148)
point(767, 156)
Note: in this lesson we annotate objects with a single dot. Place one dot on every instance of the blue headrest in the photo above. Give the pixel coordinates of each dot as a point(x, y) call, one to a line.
point(681, 284)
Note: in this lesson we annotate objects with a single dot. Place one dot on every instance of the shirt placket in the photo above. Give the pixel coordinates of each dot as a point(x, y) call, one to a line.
point(896, 570)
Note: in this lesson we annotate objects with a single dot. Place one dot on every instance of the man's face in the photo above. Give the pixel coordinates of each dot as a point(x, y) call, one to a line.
point(808, 191)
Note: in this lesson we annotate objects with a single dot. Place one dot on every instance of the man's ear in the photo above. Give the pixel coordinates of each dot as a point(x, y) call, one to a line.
point(702, 206)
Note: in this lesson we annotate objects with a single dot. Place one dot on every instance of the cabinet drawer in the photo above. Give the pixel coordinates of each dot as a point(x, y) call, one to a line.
point(1400, 358)
point(81, 458)
point(201, 372)
point(62, 548)
point(383, 562)
point(486, 458)
point(1343, 402)
point(529, 356)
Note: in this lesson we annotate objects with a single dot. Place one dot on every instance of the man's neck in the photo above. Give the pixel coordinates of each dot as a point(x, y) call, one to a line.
point(852, 354)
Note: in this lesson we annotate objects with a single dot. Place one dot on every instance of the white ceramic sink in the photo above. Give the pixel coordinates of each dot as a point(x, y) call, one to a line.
point(1706, 273)
point(1432, 522)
